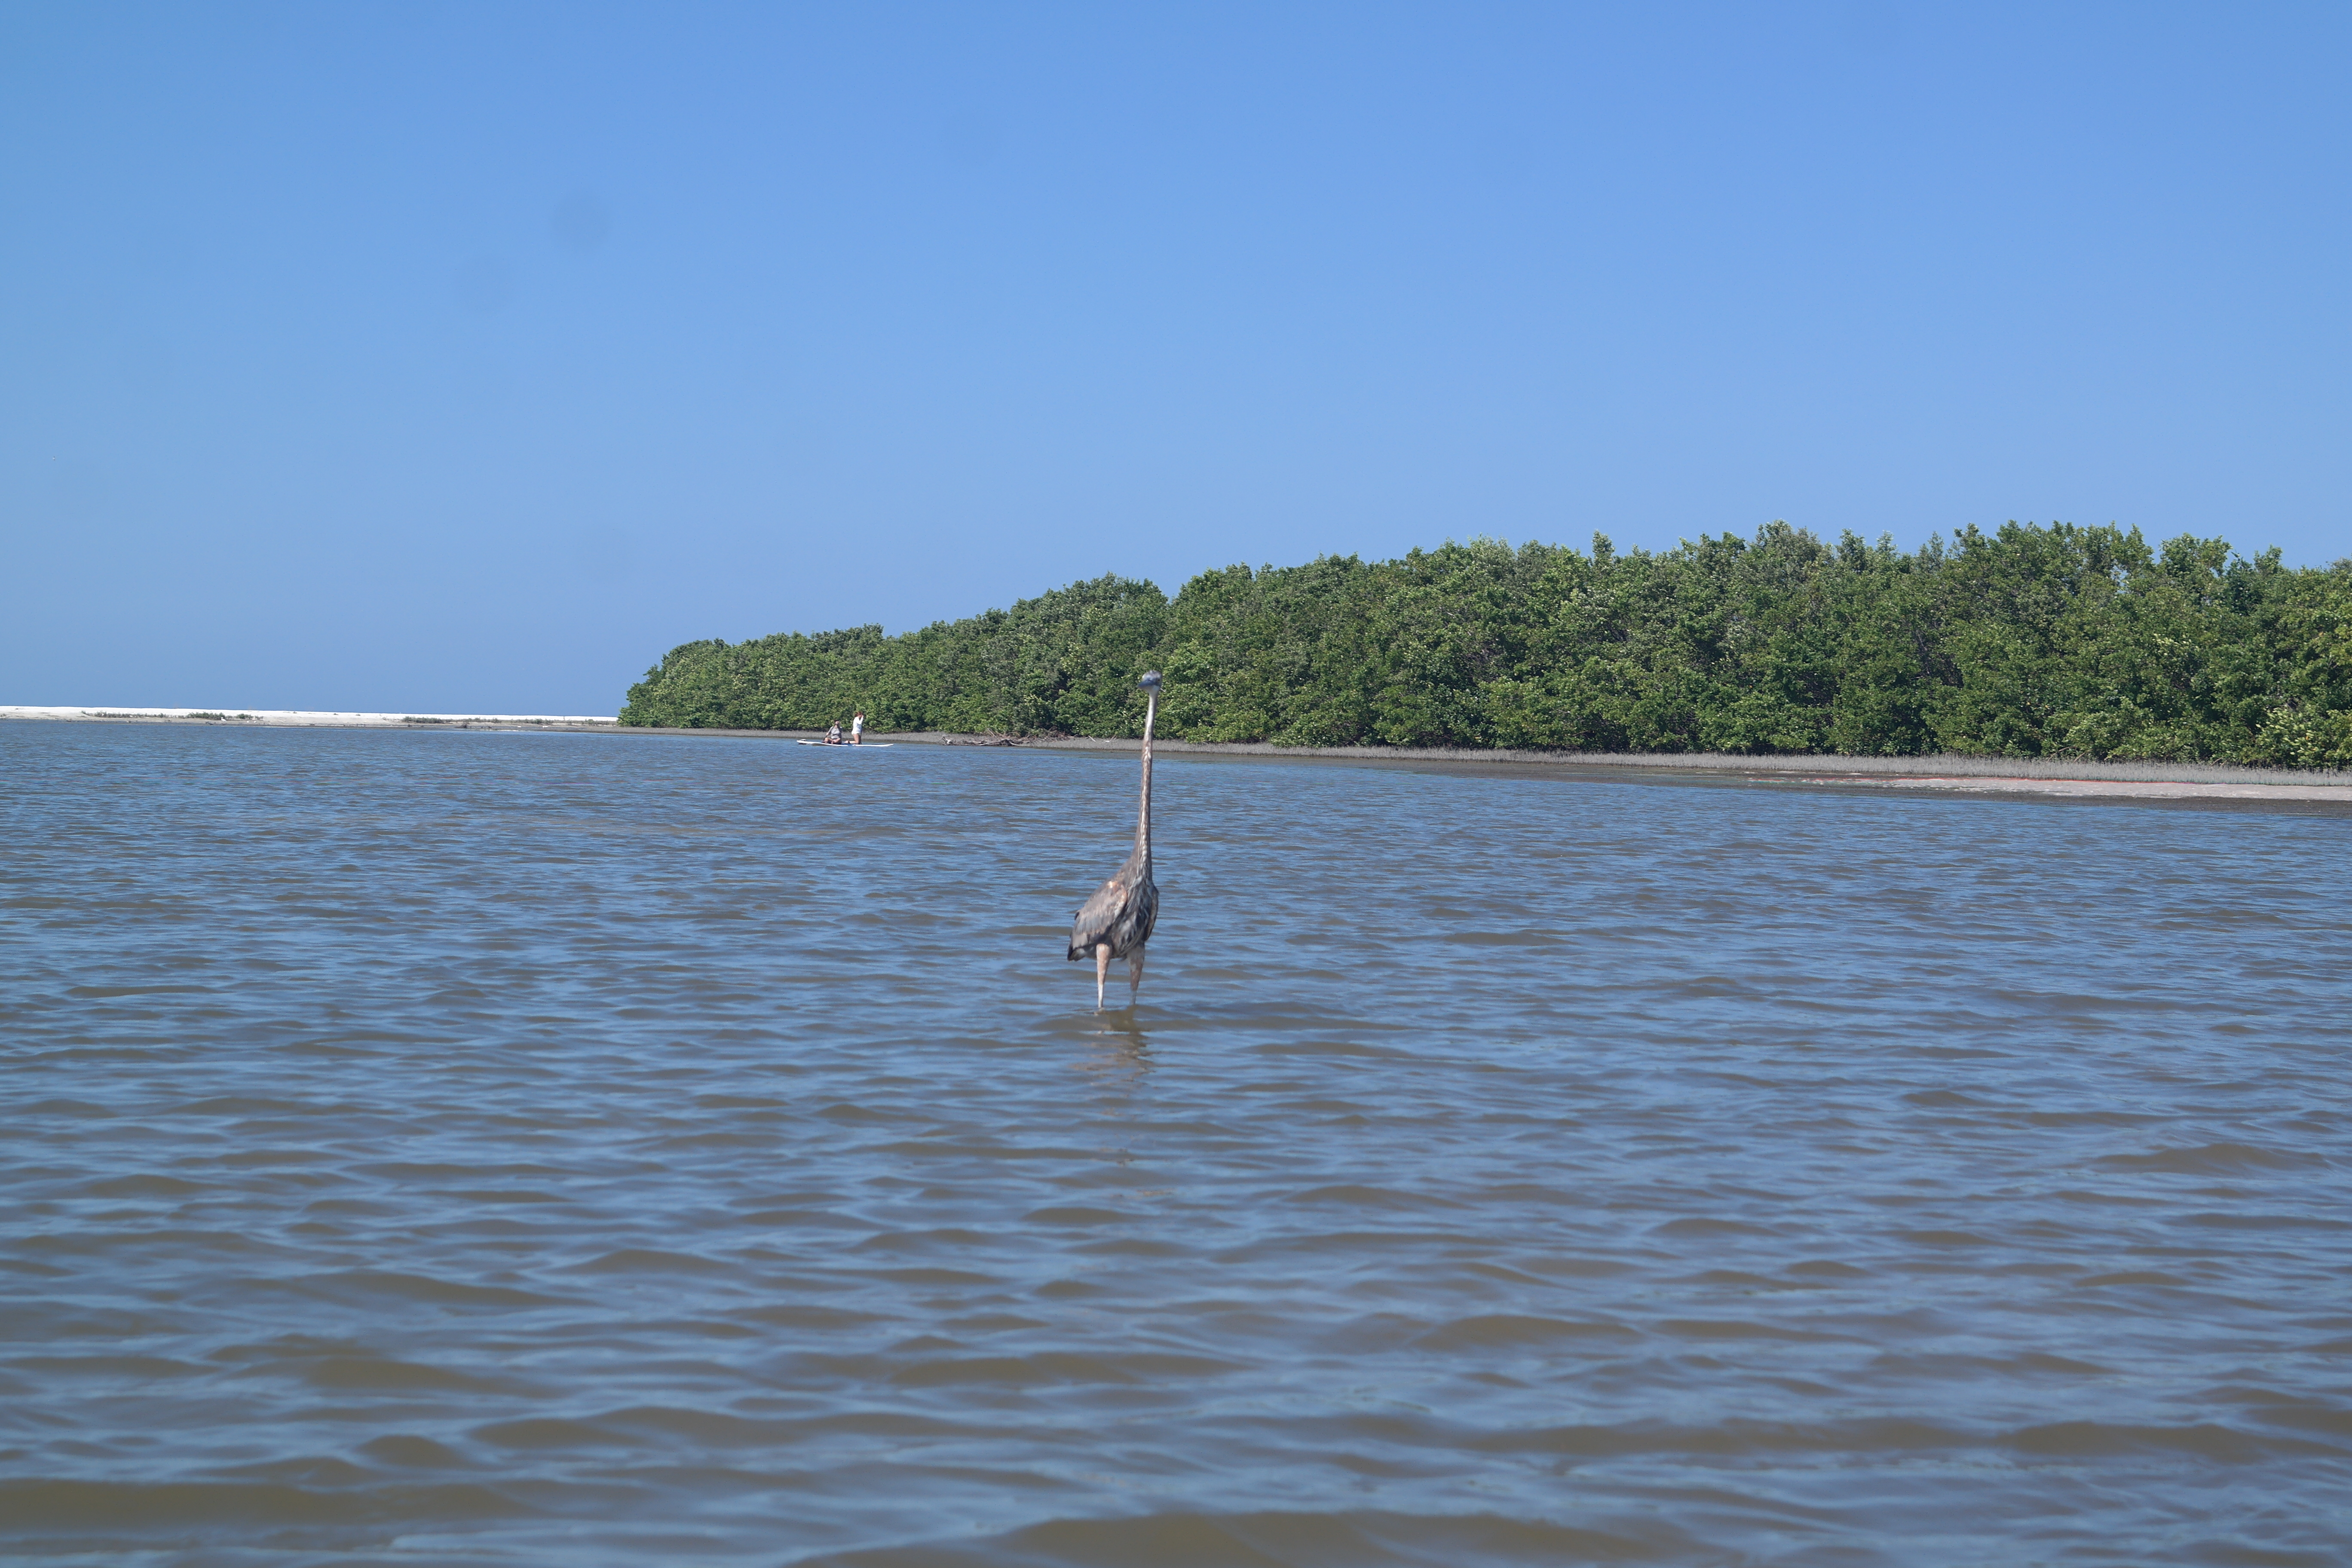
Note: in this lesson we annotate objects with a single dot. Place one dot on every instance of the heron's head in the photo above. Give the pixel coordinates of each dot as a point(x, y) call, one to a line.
point(1150, 681)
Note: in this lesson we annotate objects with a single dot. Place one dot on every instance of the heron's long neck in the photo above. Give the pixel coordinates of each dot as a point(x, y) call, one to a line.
point(1143, 816)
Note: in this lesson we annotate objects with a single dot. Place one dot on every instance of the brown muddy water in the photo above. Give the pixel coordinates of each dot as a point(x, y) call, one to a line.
point(479, 1148)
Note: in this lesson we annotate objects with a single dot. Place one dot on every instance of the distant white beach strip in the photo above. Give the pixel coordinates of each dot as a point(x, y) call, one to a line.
point(307, 718)
point(2150, 781)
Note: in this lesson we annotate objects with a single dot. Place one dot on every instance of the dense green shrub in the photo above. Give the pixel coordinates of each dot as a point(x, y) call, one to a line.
point(2028, 641)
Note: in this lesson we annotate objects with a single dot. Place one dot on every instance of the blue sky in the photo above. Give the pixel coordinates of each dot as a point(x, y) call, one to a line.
point(469, 356)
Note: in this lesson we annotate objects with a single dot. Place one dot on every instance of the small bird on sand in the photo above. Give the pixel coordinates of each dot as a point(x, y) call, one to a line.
point(1117, 921)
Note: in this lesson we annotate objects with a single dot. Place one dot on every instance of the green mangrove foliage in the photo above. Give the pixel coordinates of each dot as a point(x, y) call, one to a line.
point(2028, 641)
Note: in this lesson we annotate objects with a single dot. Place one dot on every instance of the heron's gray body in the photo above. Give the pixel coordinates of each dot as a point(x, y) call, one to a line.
point(1117, 921)
point(1120, 913)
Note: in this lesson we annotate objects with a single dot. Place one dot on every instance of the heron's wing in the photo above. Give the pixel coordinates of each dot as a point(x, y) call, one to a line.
point(1121, 912)
point(1096, 920)
point(1143, 910)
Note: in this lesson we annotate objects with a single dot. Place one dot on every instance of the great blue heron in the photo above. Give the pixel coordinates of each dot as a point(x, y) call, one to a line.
point(1117, 921)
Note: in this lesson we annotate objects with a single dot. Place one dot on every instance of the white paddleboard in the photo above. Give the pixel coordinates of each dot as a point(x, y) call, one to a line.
point(851, 746)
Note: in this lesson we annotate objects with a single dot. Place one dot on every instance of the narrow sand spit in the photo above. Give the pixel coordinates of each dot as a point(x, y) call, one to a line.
point(2110, 781)
point(298, 718)
point(1977, 776)
point(2103, 789)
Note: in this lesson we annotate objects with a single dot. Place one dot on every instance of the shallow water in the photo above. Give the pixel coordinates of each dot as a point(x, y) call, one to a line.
point(505, 1149)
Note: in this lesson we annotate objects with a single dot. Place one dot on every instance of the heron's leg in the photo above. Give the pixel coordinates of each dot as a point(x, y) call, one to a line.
point(1102, 971)
point(1134, 974)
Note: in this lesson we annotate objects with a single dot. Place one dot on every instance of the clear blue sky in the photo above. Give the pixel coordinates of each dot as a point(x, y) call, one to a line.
point(469, 356)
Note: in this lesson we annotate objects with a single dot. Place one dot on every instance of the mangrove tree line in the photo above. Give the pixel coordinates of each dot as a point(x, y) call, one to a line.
point(2027, 641)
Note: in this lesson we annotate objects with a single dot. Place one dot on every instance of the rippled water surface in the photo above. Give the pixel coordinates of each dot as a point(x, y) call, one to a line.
point(503, 1149)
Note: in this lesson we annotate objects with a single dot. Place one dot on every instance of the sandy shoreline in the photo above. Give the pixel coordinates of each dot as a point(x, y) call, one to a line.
point(2164, 783)
point(303, 718)
point(2154, 782)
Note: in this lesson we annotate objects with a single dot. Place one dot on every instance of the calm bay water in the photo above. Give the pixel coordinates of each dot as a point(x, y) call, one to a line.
point(503, 1149)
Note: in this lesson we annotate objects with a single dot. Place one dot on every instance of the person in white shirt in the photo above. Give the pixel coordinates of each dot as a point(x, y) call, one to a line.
point(858, 729)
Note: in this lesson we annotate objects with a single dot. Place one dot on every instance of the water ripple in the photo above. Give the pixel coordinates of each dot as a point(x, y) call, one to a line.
point(512, 1148)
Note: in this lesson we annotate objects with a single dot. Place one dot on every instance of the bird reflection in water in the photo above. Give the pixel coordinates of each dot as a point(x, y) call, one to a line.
point(1116, 1053)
